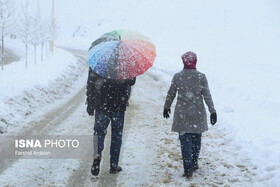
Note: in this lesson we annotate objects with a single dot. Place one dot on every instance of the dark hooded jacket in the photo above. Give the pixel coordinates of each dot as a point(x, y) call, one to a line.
point(107, 95)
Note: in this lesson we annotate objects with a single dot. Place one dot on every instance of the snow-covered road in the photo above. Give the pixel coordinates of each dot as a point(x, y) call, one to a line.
point(150, 152)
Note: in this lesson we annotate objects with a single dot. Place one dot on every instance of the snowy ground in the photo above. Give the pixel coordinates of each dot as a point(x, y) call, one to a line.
point(150, 153)
point(237, 43)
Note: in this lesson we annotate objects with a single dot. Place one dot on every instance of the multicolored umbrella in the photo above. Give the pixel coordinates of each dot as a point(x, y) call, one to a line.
point(121, 54)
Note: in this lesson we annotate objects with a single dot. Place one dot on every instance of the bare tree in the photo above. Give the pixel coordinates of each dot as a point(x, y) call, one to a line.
point(43, 38)
point(50, 33)
point(34, 30)
point(24, 27)
point(43, 30)
point(45, 35)
point(6, 7)
point(36, 34)
point(39, 33)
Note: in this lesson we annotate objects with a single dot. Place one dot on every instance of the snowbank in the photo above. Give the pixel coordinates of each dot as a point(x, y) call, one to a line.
point(26, 92)
point(15, 79)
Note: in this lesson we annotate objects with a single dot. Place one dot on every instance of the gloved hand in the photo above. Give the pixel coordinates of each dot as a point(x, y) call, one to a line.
point(90, 109)
point(166, 113)
point(213, 118)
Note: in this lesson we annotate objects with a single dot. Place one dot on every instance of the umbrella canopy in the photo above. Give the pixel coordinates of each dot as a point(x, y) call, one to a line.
point(121, 54)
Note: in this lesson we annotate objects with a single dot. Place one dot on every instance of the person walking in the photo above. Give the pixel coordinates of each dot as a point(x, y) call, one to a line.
point(190, 119)
point(108, 99)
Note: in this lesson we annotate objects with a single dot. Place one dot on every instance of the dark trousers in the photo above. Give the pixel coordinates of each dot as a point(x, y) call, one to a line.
point(102, 120)
point(190, 148)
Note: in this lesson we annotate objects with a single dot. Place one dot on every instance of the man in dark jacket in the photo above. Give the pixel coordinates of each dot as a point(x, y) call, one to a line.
point(108, 99)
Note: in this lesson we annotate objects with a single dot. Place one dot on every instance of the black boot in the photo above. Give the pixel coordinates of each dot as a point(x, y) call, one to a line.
point(195, 168)
point(96, 165)
point(115, 169)
point(188, 174)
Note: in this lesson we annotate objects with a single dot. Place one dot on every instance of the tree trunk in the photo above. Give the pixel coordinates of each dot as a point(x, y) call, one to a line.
point(35, 55)
point(2, 63)
point(2, 44)
point(2, 52)
point(2, 47)
point(47, 49)
point(26, 53)
point(42, 51)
